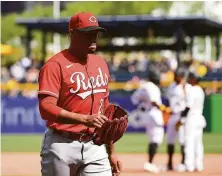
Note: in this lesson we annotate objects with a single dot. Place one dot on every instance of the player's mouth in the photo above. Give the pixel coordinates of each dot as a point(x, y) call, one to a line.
point(92, 46)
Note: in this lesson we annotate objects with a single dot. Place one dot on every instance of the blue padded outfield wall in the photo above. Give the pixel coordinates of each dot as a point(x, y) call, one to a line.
point(21, 115)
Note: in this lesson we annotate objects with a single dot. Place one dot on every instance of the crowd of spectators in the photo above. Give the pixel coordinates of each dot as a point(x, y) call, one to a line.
point(140, 63)
point(27, 70)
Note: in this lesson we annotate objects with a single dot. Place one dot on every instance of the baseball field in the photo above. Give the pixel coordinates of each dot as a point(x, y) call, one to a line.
point(20, 155)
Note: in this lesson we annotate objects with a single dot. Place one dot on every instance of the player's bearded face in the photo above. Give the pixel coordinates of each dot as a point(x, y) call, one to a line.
point(86, 41)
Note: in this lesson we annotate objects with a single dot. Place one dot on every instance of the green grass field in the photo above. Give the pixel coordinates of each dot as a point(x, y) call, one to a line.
point(129, 143)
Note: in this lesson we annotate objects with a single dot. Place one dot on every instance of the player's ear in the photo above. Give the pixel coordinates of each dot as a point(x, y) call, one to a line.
point(71, 32)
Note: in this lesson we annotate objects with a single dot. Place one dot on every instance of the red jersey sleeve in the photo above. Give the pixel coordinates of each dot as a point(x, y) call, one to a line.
point(106, 100)
point(50, 79)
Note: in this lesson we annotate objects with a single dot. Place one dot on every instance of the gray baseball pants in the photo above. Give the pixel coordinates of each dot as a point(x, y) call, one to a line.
point(61, 156)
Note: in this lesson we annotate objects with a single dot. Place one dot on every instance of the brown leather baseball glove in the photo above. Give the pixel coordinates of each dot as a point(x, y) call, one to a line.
point(113, 129)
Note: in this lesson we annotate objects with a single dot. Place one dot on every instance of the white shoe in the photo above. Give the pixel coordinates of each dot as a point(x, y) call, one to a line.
point(162, 168)
point(151, 168)
point(181, 168)
point(199, 169)
point(190, 170)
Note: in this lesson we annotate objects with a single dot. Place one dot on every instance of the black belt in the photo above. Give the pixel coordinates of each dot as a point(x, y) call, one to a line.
point(81, 137)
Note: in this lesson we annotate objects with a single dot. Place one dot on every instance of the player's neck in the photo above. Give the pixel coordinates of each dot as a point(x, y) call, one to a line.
point(77, 54)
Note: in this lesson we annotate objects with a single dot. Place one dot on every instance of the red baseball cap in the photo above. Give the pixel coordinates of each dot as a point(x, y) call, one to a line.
point(85, 22)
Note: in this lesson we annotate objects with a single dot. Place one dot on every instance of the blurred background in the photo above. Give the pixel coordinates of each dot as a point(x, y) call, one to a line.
point(141, 37)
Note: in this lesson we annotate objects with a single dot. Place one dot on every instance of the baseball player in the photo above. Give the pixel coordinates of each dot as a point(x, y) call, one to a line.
point(73, 88)
point(194, 122)
point(148, 99)
point(176, 97)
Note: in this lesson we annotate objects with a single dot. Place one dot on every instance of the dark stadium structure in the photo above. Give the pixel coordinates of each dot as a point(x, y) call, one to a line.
point(141, 26)
point(135, 26)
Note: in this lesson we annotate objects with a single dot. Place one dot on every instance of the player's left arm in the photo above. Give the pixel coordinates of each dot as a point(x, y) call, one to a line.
point(115, 163)
point(155, 102)
point(162, 107)
point(137, 97)
point(105, 100)
point(189, 100)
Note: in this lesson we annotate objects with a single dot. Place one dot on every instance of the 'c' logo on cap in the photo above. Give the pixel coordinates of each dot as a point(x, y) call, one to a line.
point(92, 19)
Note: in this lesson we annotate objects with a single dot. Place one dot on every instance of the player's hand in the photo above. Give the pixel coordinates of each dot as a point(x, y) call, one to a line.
point(116, 165)
point(168, 110)
point(95, 120)
point(162, 107)
point(178, 124)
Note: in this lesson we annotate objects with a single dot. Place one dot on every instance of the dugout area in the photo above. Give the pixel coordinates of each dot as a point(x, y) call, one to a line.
point(141, 26)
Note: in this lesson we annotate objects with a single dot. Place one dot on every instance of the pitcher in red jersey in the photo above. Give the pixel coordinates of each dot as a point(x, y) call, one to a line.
point(73, 88)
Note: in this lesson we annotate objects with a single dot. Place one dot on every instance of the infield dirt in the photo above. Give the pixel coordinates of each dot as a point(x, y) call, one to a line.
point(28, 164)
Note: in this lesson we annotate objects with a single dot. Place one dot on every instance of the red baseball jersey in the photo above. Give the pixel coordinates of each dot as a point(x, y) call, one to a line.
point(80, 87)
